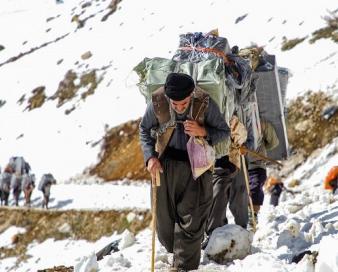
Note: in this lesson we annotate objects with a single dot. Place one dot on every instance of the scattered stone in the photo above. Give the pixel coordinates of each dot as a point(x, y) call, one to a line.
point(289, 44)
point(131, 217)
point(86, 5)
point(15, 239)
point(112, 8)
point(37, 99)
point(86, 55)
point(293, 183)
point(50, 19)
point(68, 111)
point(21, 100)
point(20, 136)
point(65, 228)
point(2, 102)
point(127, 240)
point(241, 18)
point(129, 175)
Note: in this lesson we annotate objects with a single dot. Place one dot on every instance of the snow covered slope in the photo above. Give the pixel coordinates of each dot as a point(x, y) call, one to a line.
point(43, 40)
point(306, 221)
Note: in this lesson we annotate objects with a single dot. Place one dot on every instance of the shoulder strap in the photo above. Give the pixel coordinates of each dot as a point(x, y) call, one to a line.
point(200, 104)
point(161, 106)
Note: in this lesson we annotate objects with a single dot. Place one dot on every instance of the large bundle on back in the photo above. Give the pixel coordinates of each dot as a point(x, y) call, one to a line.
point(224, 76)
point(208, 74)
point(271, 92)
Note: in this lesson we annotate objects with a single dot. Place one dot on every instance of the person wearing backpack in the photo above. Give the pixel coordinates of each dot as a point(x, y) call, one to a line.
point(47, 180)
point(20, 167)
point(176, 112)
point(275, 187)
point(257, 167)
point(5, 184)
point(228, 182)
point(331, 179)
point(28, 185)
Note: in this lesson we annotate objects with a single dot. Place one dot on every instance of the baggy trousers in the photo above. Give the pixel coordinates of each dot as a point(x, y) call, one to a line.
point(183, 205)
point(228, 187)
point(239, 200)
point(257, 180)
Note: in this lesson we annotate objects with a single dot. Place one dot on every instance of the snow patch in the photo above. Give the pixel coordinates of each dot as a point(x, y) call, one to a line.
point(327, 260)
point(87, 264)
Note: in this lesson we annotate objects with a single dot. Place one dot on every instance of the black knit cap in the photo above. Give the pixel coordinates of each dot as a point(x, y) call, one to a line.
point(178, 86)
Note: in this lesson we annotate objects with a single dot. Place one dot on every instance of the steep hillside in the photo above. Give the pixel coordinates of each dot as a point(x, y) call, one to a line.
point(121, 156)
point(312, 122)
point(69, 70)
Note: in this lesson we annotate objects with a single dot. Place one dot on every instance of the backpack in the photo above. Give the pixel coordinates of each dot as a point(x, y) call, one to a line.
point(271, 91)
point(19, 165)
point(28, 180)
point(45, 179)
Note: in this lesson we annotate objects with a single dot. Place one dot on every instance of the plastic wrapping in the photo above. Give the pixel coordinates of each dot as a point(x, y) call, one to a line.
point(197, 46)
point(283, 74)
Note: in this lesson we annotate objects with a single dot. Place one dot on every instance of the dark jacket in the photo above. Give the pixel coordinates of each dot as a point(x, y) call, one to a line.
point(214, 123)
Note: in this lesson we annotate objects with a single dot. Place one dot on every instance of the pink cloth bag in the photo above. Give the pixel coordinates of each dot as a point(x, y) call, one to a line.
point(201, 156)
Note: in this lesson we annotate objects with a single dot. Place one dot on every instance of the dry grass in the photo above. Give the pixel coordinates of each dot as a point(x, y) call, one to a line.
point(307, 129)
point(41, 225)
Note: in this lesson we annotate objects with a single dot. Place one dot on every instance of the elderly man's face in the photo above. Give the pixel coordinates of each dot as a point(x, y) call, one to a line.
point(180, 106)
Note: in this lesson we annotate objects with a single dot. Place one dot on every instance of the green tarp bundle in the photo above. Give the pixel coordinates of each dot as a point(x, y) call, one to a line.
point(208, 75)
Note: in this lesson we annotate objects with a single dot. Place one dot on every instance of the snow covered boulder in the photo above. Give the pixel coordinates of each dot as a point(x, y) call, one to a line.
point(127, 239)
point(228, 243)
point(87, 264)
point(293, 227)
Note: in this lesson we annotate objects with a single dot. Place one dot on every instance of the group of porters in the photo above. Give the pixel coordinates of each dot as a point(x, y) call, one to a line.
point(17, 177)
point(214, 122)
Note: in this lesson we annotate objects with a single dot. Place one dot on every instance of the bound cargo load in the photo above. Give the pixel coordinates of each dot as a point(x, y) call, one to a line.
point(271, 103)
point(226, 77)
point(271, 90)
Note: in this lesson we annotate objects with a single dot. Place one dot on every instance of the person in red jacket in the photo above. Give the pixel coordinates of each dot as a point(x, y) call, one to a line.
point(331, 179)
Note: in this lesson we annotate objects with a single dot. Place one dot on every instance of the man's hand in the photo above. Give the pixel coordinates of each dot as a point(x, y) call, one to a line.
point(192, 128)
point(238, 131)
point(153, 166)
point(242, 150)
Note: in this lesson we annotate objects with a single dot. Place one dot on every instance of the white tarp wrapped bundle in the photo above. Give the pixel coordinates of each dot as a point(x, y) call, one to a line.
point(271, 108)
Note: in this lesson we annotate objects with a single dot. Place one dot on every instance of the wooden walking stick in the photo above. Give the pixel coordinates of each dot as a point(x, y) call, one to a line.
point(248, 190)
point(155, 181)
